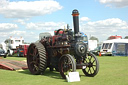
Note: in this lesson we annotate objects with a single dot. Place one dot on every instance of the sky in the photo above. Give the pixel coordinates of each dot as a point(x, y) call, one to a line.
point(29, 18)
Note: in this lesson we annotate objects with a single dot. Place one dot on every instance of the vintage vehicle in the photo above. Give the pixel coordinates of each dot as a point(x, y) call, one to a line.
point(65, 52)
point(12, 44)
point(22, 50)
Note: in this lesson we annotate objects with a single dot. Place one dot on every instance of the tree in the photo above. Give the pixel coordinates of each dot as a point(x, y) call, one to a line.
point(126, 37)
point(94, 38)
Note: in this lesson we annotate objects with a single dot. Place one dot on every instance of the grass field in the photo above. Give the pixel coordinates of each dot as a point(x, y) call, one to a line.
point(113, 71)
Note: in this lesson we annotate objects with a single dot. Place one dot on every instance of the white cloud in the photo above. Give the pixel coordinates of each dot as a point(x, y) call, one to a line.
point(21, 21)
point(26, 9)
point(82, 19)
point(116, 3)
point(104, 28)
point(17, 33)
point(46, 26)
point(28, 36)
point(7, 27)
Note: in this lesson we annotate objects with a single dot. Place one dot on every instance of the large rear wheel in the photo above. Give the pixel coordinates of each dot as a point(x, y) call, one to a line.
point(66, 65)
point(36, 58)
point(92, 67)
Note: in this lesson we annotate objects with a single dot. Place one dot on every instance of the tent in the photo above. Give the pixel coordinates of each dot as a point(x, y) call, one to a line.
point(120, 47)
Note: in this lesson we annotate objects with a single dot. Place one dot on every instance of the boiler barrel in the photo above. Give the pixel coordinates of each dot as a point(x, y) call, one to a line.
point(75, 15)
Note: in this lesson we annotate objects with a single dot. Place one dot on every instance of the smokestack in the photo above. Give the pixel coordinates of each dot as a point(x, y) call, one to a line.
point(75, 15)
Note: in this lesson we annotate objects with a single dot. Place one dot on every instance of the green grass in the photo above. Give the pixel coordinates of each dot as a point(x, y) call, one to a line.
point(113, 71)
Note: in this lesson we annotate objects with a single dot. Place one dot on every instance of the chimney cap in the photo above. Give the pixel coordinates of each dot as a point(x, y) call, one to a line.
point(75, 11)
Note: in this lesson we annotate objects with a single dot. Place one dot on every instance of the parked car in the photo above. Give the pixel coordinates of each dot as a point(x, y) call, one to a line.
point(2, 53)
point(96, 51)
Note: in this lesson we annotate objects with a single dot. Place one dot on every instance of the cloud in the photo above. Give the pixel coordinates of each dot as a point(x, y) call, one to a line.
point(104, 28)
point(28, 36)
point(17, 33)
point(26, 9)
point(82, 19)
point(116, 3)
point(46, 26)
point(32, 32)
point(7, 27)
point(21, 21)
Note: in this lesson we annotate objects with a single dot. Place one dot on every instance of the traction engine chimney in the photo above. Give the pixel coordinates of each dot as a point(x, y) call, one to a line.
point(75, 15)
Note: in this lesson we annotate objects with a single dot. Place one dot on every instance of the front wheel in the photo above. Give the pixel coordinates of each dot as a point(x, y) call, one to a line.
point(92, 67)
point(66, 64)
point(5, 56)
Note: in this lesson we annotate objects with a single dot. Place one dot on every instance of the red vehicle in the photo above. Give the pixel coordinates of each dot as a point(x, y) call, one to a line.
point(115, 37)
point(22, 50)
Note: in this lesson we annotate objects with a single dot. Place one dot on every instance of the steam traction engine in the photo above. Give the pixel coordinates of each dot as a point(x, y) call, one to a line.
point(65, 52)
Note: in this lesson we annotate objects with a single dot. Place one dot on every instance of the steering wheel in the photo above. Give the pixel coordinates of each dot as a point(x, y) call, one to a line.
point(58, 31)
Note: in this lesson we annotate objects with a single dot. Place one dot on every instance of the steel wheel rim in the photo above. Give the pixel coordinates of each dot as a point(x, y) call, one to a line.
point(33, 59)
point(92, 67)
point(66, 65)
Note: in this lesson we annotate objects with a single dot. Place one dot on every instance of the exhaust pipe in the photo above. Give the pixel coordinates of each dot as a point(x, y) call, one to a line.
point(75, 15)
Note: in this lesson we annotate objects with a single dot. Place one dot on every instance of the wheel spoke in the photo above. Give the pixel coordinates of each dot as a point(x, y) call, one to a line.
point(90, 59)
point(35, 51)
point(34, 54)
point(69, 61)
point(32, 62)
point(93, 69)
point(33, 47)
point(94, 65)
point(37, 55)
point(86, 61)
point(31, 54)
point(37, 60)
point(36, 67)
point(90, 71)
point(93, 61)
